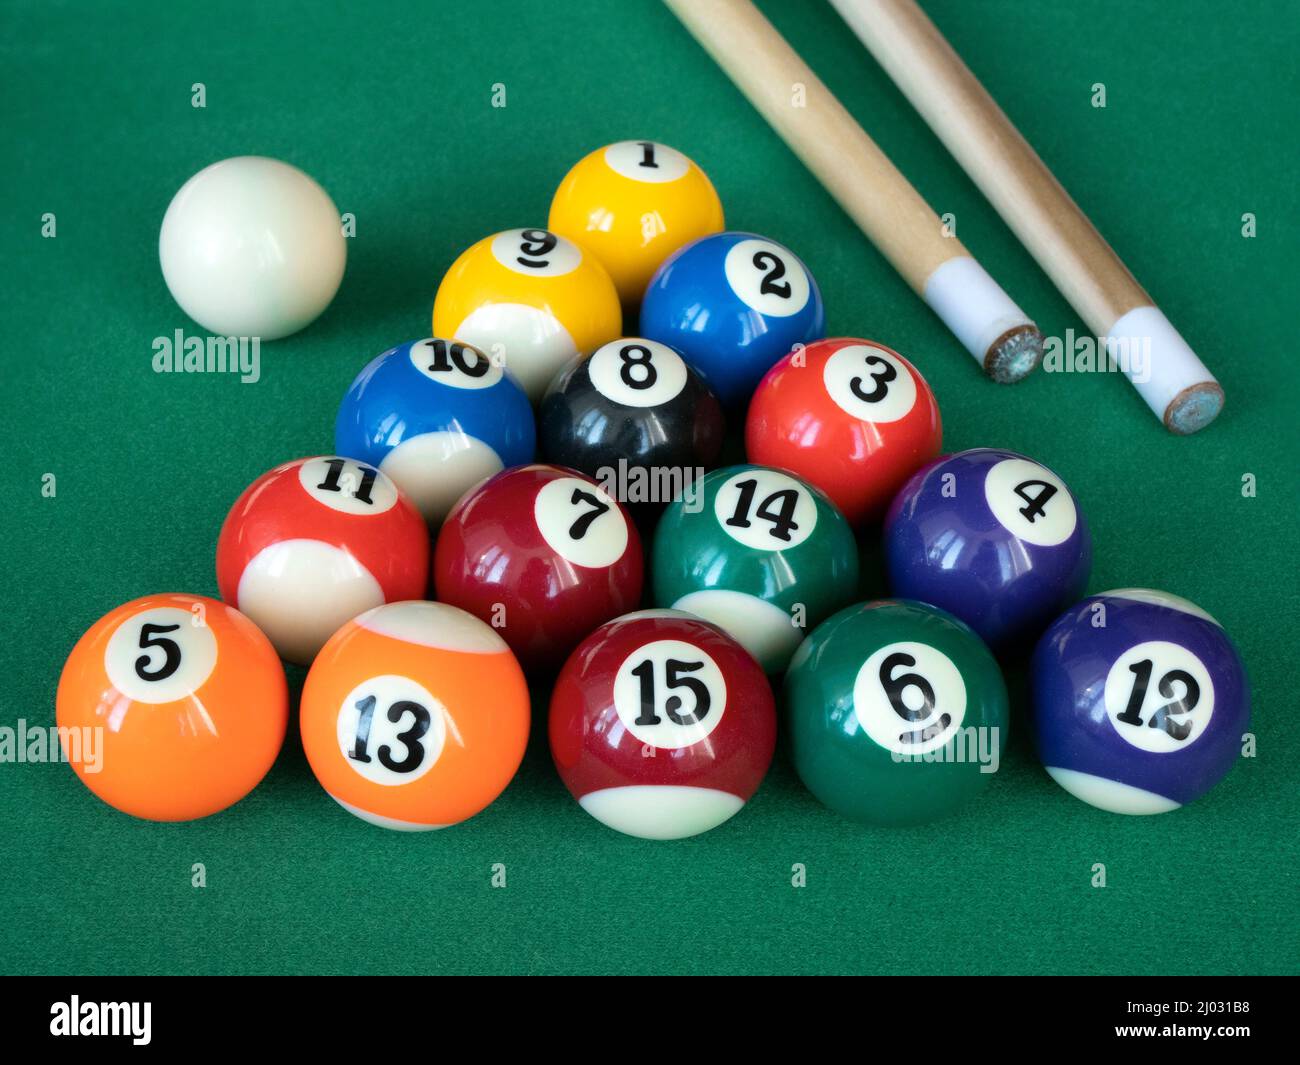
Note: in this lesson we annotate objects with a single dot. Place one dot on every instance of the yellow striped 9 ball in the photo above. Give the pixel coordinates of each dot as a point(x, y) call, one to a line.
point(531, 300)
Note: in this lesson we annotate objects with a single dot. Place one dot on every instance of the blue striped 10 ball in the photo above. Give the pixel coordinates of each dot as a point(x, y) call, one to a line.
point(437, 416)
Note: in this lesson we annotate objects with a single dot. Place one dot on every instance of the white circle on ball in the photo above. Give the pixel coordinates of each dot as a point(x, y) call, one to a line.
point(661, 811)
point(646, 161)
point(348, 486)
point(767, 278)
point(581, 522)
point(1030, 502)
point(909, 698)
point(869, 383)
point(1159, 697)
point(528, 341)
point(637, 372)
point(160, 655)
point(763, 629)
point(436, 469)
point(536, 252)
point(454, 363)
point(429, 624)
point(1110, 795)
point(669, 694)
point(1168, 600)
point(391, 730)
point(300, 592)
point(252, 247)
point(765, 509)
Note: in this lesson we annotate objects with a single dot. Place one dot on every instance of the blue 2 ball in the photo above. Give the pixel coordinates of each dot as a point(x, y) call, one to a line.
point(733, 304)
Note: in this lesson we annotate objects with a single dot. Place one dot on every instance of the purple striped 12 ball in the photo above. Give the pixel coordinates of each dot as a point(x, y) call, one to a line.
point(993, 537)
point(1140, 701)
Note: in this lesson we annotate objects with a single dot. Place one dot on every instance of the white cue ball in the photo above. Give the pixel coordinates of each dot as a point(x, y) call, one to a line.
point(252, 247)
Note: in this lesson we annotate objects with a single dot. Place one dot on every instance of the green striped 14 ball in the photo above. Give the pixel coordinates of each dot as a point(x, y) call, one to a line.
point(761, 554)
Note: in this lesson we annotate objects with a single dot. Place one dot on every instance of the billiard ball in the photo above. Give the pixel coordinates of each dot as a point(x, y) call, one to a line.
point(252, 247)
point(853, 417)
point(993, 537)
point(542, 554)
point(437, 416)
point(1140, 701)
point(761, 554)
point(172, 707)
point(531, 300)
point(634, 410)
point(631, 205)
point(415, 716)
point(732, 304)
point(897, 713)
point(661, 726)
point(313, 543)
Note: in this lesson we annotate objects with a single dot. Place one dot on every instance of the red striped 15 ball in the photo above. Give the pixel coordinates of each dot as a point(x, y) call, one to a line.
point(543, 555)
point(662, 726)
point(852, 417)
point(315, 542)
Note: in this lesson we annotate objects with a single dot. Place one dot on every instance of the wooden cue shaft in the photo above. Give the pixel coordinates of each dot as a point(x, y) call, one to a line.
point(865, 183)
point(1169, 376)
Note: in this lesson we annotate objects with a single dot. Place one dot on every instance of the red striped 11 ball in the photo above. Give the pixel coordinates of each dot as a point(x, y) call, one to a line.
point(543, 555)
point(1141, 701)
point(661, 726)
point(313, 543)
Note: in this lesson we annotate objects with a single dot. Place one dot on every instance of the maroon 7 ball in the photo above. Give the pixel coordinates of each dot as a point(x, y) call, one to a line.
point(662, 726)
point(543, 555)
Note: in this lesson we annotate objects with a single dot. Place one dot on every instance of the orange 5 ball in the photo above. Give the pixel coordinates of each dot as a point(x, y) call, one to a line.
point(415, 716)
point(852, 417)
point(172, 707)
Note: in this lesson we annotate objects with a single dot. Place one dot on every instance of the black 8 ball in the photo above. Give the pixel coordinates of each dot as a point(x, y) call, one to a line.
point(637, 401)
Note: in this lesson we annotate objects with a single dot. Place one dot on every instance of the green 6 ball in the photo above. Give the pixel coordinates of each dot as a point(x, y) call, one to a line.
point(761, 554)
point(897, 712)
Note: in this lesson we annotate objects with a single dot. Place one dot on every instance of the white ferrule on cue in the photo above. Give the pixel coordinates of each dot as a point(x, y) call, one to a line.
point(1162, 367)
point(869, 188)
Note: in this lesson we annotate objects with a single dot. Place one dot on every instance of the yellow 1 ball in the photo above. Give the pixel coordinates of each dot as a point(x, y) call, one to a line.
point(631, 205)
point(531, 300)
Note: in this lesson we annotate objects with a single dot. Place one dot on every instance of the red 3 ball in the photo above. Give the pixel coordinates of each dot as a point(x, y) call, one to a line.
point(852, 417)
point(543, 555)
point(661, 725)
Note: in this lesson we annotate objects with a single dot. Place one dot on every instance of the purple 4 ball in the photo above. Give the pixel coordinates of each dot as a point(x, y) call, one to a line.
point(1140, 701)
point(992, 537)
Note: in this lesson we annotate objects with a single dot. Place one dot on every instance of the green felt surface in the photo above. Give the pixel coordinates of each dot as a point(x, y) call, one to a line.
point(389, 107)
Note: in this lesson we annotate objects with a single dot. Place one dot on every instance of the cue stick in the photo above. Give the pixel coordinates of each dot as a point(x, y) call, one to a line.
point(1153, 355)
point(866, 184)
